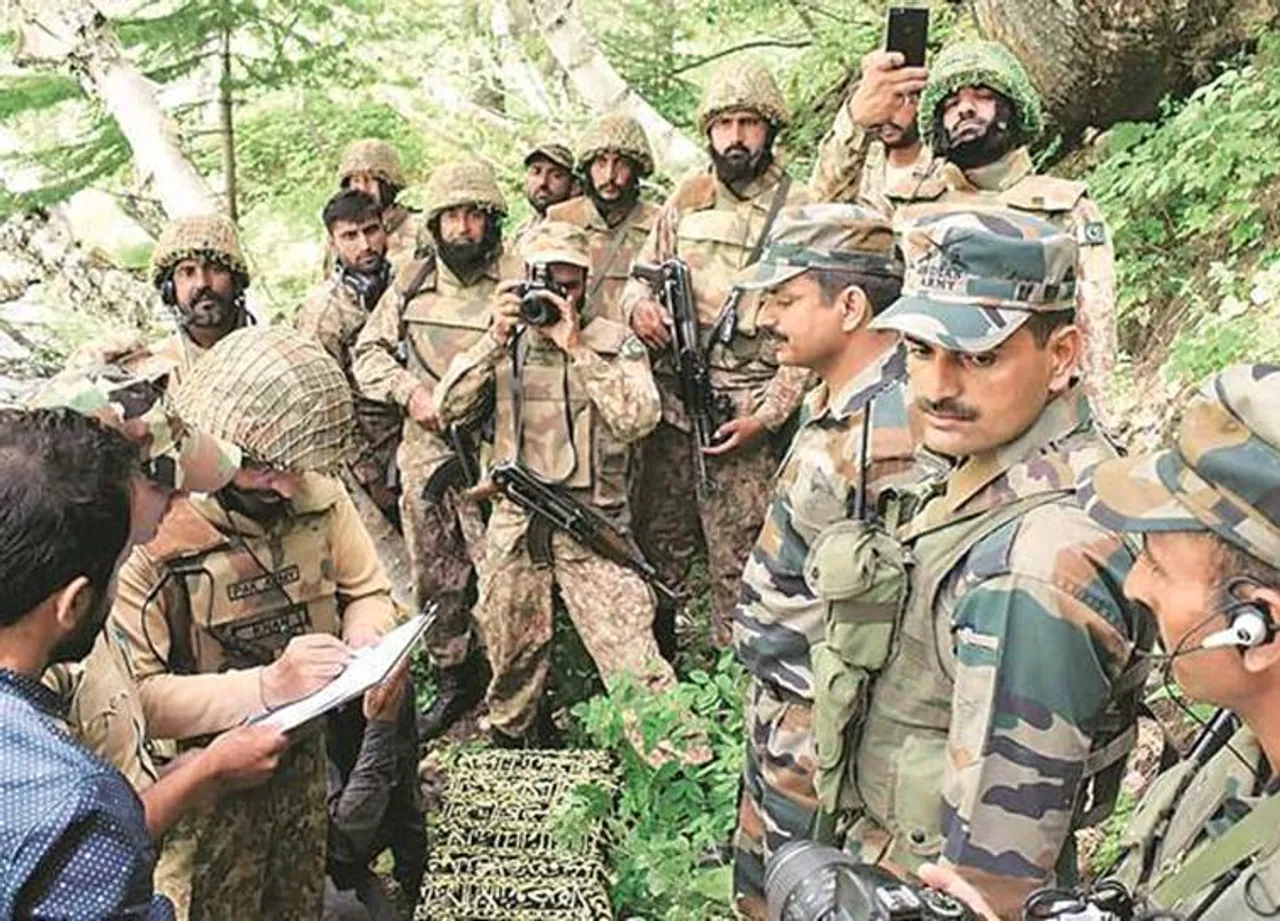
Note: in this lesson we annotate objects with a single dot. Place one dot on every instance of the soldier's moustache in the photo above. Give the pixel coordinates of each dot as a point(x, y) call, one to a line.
point(947, 408)
point(969, 149)
point(738, 164)
point(208, 308)
point(465, 257)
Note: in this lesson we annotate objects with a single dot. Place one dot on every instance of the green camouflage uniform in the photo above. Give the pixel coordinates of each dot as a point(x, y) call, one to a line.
point(613, 246)
point(216, 596)
point(404, 226)
point(1011, 182)
point(1007, 698)
point(1182, 845)
point(713, 229)
point(441, 320)
point(612, 401)
point(780, 616)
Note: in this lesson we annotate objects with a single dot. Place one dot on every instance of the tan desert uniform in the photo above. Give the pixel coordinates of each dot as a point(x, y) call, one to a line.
point(613, 249)
point(1011, 182)
point(583, 446)
point(441, 320)
point(216, 596)
point(713, 229)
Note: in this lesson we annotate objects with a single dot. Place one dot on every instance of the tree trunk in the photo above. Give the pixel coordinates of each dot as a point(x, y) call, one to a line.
point(603, 88)
point(1097, 62)
point(226, 115)
point(73, 34)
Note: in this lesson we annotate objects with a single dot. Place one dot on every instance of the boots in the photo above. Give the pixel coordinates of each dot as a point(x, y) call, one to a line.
point(460, 688)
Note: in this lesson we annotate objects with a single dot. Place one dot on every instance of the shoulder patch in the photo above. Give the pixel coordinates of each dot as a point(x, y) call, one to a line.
point(1091, 233)
point(606, 336)
point(695, 193)
point(1044, 193)
point(632, 348)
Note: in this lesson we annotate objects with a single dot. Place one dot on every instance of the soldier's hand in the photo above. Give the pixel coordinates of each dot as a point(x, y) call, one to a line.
point(308, 663)
point(506, 311)
point(946, 879)
point(422, 410)
point(382, 703)
point(357, 634)
point(246, 756)
point(564, 332)
point(651, 322)
point(735, 434)
point(884, 86)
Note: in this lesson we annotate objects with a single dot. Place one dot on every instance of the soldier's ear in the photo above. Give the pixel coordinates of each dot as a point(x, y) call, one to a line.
point(855, 308)
point(1063, 349)
point(1261, 658)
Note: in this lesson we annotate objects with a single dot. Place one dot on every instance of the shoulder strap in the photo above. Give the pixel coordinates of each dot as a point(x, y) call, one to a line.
point(779, 199)
point(615, 247)
point(425, 268)
point(1252, 835)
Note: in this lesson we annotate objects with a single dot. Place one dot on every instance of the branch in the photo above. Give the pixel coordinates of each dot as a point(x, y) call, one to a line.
point(755, 43)
point(805, 18)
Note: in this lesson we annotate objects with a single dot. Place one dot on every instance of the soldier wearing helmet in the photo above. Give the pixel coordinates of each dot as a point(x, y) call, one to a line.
point(715, 221)
point(237, 606)
point(201, 274)
point(566, 400)
point(979, 114)
point(373, 167)
point(548, 180)
point(436, 308)
point(613, 159)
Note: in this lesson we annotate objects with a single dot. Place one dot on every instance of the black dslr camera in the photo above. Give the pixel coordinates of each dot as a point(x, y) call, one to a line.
point(536, 309)
point(806, 881)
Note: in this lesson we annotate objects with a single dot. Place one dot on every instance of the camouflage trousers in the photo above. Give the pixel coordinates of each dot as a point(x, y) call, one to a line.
point(444, 539)
point(778, 801)
point(610, 606)
point(258, 853)
point(672, 523)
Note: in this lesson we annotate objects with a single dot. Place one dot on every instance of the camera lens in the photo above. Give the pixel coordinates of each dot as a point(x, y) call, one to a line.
point(537, 309)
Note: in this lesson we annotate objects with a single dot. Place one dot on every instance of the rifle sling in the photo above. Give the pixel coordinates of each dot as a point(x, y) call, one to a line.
point(415, 285)
point(615, 247)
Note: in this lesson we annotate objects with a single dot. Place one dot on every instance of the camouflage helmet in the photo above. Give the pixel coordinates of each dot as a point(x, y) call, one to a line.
point(373, 156)
point(620, 134)
point(742, 84)
point(826, 236)
point(557, 242)
point(974, 277)
point(554, 151)
point(275, 393)
point(174, 454)
point(1222, 473)
point(209, 236)
point(463, 182)
point(979, 63)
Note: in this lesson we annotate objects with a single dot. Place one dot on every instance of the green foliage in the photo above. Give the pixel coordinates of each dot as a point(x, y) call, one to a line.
point(670, 823)
point(35, 92)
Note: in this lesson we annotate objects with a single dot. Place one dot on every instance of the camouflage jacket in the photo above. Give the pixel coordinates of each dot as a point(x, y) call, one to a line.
point(324, 574)
point(334, 314)
point(780, 617)
point(1012, 183)
point(522, 231)
point(613, 249)
point(1001, 683)
point(714, 229)
point(612, 401)
point(404, 230)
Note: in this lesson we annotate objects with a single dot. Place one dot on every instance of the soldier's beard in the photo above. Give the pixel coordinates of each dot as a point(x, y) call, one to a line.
point(211, 310)
point(986, 148)
point(467, 259)
point(738, 166)
point(263, 506)
point(614, 209)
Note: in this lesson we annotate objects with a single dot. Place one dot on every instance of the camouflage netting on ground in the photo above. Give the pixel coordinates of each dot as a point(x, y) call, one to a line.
point(495, 851)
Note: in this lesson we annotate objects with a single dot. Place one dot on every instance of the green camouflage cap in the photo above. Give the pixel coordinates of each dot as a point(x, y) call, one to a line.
point(974, 277)
point(557, 242)
point(1221, 475)
point(174, 454)
point(980, 63)
point(846, 237)
point(277, 394)
point(557, 153)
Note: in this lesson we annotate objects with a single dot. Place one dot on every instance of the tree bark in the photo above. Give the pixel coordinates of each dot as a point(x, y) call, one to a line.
point(73, 34)
point(1098, 62)
point(226, 115)
point(603, 88)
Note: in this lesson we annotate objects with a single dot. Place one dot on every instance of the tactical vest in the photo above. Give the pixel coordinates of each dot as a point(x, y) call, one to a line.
point(238, 599)
point(612, 251)
point(1170, 857)
point(546, 419)
point(442, 324)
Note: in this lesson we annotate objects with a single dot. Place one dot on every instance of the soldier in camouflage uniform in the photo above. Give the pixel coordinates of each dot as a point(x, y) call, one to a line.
point(828, 269)
point(373, 167)
point(334, 313)
point(548, 180)
point(613, 159)
point(1204, 841)
point(713, 221)
point(436, 309)
point(979, 114)
point(236, 606)
point(602, 370)
point(1001, 714)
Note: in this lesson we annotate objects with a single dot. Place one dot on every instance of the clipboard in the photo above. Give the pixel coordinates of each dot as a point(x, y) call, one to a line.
point(370, 666)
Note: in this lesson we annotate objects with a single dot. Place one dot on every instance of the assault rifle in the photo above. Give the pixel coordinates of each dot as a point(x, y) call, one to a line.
point(552, 509)
point(462, 471)
point(706, 409)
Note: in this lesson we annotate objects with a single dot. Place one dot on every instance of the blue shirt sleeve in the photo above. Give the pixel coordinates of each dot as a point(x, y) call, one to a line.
point(96, 859)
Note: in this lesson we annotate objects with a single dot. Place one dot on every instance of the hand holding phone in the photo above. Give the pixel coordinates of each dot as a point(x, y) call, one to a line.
point(907, 32)
point(885, 86)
